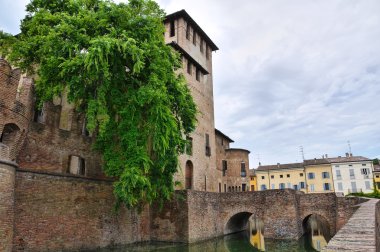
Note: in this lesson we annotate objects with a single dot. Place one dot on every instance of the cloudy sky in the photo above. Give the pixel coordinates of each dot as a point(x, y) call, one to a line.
point(288, 73)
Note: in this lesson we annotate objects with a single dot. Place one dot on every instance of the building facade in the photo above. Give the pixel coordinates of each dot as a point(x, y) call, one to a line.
point(318, 176)
point(352, 174)
point(376, 176)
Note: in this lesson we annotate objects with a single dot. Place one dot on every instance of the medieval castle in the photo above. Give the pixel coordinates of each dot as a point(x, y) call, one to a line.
point(53, 193)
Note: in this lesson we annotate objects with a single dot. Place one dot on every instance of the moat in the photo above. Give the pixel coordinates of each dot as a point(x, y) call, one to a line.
point(251, 239)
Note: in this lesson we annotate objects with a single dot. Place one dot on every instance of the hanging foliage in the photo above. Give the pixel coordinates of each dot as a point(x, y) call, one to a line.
point(113, 60)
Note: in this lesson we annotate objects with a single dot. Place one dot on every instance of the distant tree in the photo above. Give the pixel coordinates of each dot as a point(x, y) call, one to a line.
point(376, 161)
point(113, 60)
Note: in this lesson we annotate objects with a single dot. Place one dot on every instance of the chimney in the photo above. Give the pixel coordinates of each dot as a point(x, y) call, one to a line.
point(259, 163)
point(347, 155)
point(339, 156)
point(278, 165)
point(326, 156)
point(315, 160)
point(350, 154)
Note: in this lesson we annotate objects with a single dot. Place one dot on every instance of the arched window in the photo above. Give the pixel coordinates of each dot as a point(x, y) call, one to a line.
point(189, 175)
point(9, 135)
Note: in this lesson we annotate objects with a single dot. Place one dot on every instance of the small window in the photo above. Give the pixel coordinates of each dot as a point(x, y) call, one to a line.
point(243, 172)
point(208, 148)
point(189, 146)
point(340, 186)
point(338, 174)
point(172, 29)
point(288, 175)
point(312, 188)
point(364, 164)
point(281, 176)
point(326, 186)
point(272, 176)
point(311, 175)
point(325, 175)
point(336, 165)
point(301, 174)
point(367, 185)
point(188, 31)
point(302, 185)
point(352, 174)
point(350, 165)
point(262, 177)
point(263, 187)
point(273, 187)
point(282, 186)
point(198, 75)
point(38, 116)
point(194, 37)
point(207, 52)
point(224, 165)
point(77, 165)
point(189, 67)
point(201, 46)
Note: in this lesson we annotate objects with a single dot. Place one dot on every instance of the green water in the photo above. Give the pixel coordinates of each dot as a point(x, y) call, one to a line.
point(231, 243)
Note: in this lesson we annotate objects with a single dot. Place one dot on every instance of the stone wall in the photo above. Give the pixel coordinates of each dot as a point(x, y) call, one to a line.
point(377, 226)
point(55, 212)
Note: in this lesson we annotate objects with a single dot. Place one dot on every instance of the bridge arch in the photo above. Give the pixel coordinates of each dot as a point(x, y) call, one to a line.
point(237, 222)
point(311, 221)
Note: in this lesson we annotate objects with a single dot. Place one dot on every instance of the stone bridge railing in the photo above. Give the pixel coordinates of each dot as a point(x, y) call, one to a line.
point(197, 216)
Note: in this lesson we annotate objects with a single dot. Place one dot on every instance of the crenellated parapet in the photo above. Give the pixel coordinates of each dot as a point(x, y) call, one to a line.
point(16, 109)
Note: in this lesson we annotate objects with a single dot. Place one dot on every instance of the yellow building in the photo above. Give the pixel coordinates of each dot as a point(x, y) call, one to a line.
point(319, 177)
point(281, 176)
point(252, 181)
point(376, 176)
point(256, 227)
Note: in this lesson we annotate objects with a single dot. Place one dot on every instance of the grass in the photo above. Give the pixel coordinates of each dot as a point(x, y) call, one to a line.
point(375, 194)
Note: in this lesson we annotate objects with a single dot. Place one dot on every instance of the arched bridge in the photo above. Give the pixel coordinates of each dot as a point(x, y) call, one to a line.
point(196, 215)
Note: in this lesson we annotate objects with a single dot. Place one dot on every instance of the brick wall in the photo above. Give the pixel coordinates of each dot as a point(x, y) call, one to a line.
point(7, 180)
point(64, 212)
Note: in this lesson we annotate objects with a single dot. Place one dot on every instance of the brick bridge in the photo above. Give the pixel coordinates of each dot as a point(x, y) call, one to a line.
point(197, 215)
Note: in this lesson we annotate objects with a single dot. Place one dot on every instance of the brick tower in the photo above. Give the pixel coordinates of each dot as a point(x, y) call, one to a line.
point(15, 111)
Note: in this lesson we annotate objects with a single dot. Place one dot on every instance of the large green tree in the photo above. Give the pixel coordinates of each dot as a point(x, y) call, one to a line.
point(113, 61)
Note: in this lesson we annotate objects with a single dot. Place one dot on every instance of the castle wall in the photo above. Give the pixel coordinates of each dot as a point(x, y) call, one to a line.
point(66, 212)
point(7, 180)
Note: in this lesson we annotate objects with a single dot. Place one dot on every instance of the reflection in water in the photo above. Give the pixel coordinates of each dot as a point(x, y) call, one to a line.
point(317, 232)
point(250, 240)
point(256, 232)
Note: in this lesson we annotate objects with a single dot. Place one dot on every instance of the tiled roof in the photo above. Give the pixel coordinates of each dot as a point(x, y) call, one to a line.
point(279, 166)
point(251, 172)
point(348, 159)
point(316, 161)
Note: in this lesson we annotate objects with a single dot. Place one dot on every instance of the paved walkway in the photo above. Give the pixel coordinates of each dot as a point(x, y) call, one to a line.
point(359, 232)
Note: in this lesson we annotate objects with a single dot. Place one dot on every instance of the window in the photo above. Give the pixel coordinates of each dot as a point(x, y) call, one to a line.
point(288, 175)
point(207, 52)
point(272, 176)
point(263, 187)
point(194, 37)
point(350, 165)
point(290, 185)
point(189, 146)
point(302, 185)
point(252, 188)
point(201, 46)
point(208, 148)
point(340, 186)
point(77, 165)
point(273, 187)
point(337, 166)
point(243, 172)
point(367, 185)
point(229, 188)
point(189, 67)
point(188, 31)
point(189, 175)
point(325, 175)
point(281, 176)
point(338, 175)
point(281, 186)
point(220, 187)
point(172, 29)
point(364, 164)
point(225, 188)
point(295, 187)
point(353, 186)
point(38, 116)
point(224, 165)
point(262, 177)
point(311, 175)
point(198, 74)
point(377, 176)
point(312, 188)
point(365, 171)
point(301, 174)
point(352, 174)
point(243, 187)
point(326, 186)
